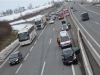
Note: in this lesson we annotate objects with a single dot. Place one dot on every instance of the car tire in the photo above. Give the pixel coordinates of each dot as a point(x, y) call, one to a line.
point(76, 62)
point(19, 61)
point(10, 64)
point(64, 63)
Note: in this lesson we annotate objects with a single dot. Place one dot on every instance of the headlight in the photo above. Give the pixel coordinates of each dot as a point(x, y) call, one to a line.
point(74, 57)
point(16, 59)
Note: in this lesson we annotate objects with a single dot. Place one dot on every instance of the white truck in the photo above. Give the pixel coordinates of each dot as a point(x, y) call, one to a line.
point(40, 21)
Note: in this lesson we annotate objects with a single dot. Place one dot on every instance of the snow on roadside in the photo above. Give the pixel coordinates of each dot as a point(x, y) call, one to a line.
point(12, 23)
point(15, 16)
point(18, 27)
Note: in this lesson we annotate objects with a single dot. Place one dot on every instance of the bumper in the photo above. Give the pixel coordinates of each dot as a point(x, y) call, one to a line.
point(70, 62)
point(12, 63)
point(69, 45)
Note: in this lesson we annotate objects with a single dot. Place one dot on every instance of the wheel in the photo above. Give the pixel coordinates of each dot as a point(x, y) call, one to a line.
point(64, 63)
point(19, 61)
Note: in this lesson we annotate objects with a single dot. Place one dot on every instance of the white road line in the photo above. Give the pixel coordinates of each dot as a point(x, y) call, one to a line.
point(26, 56)
point(8, 57)
point(73, 70)
point(43, 68)
point(53, 29)
point(89, 10)
point(50, 41)
point(91, 38)
point(35, 42)
point(31, 48)
point(41, 32)
point(18, 69)
point(97, 22)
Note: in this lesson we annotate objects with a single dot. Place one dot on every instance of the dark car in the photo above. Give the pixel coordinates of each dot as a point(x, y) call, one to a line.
point(15, 58)
point(84, 16)
point(69, 55)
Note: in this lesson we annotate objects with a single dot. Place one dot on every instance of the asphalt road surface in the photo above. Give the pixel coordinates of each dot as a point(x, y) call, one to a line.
point(42, 57)
point(92, 26)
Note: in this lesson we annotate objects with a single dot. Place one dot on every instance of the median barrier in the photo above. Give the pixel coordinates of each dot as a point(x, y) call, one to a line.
point(86, 63)
point(6, 52)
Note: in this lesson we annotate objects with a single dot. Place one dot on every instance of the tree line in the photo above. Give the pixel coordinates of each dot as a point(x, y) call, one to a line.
point(5, 29)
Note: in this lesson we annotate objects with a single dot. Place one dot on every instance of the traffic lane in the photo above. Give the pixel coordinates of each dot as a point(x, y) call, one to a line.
point(91, 8)
point(54, 63)
point(94, 16)
point(92, 29)
point(6, 69)
point(35, 60)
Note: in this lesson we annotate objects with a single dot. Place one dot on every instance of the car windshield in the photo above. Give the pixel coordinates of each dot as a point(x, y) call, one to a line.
point(85, 14)
point(23, 36)
point(65, 38)
point(13, 56)
point(68, 52)
point(64, 25)
point(37, 22)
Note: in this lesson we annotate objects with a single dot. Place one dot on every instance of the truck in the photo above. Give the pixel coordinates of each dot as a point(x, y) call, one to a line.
point(40, 21)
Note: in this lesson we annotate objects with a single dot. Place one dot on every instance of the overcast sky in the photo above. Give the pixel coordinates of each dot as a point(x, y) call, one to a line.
point(7, 4)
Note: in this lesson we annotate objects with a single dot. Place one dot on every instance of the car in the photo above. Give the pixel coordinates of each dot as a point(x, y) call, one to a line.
point(64, 26)
point(69, 55)
point(15, 57)
point(84, 16)
point(51, 21)
point(65, 40)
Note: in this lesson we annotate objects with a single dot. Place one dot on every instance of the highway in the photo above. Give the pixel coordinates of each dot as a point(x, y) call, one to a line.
point(42, 56)
point(90, 27)
point(91, 30)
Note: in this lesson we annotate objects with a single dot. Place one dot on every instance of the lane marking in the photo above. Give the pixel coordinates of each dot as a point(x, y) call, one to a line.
point(89, 10)
point(97, 22)
point(73, 70)
point(89, 36)
point(31, 48)
point(50, 41)
point(8, 57)
point(53, 29)
point(43, 68)
point(26, 56)
point(18, 69)
point(35, 42)
point(42, 32)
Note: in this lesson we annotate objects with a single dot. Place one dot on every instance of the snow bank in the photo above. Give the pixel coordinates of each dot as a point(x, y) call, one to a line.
point(14, 16)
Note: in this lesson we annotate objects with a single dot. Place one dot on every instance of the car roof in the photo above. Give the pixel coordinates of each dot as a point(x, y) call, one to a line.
point(63, 33)
point(84, 13)
point(67, 49)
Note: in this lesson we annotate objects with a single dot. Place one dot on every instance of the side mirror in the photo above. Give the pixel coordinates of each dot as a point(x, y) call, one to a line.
point(76, 50)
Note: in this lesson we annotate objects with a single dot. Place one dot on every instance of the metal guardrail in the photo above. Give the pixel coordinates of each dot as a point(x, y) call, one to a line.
point(86, 63)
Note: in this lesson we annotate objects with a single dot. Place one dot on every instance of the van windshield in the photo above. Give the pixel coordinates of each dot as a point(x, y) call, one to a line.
point(63, 39)
point(85, 14)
